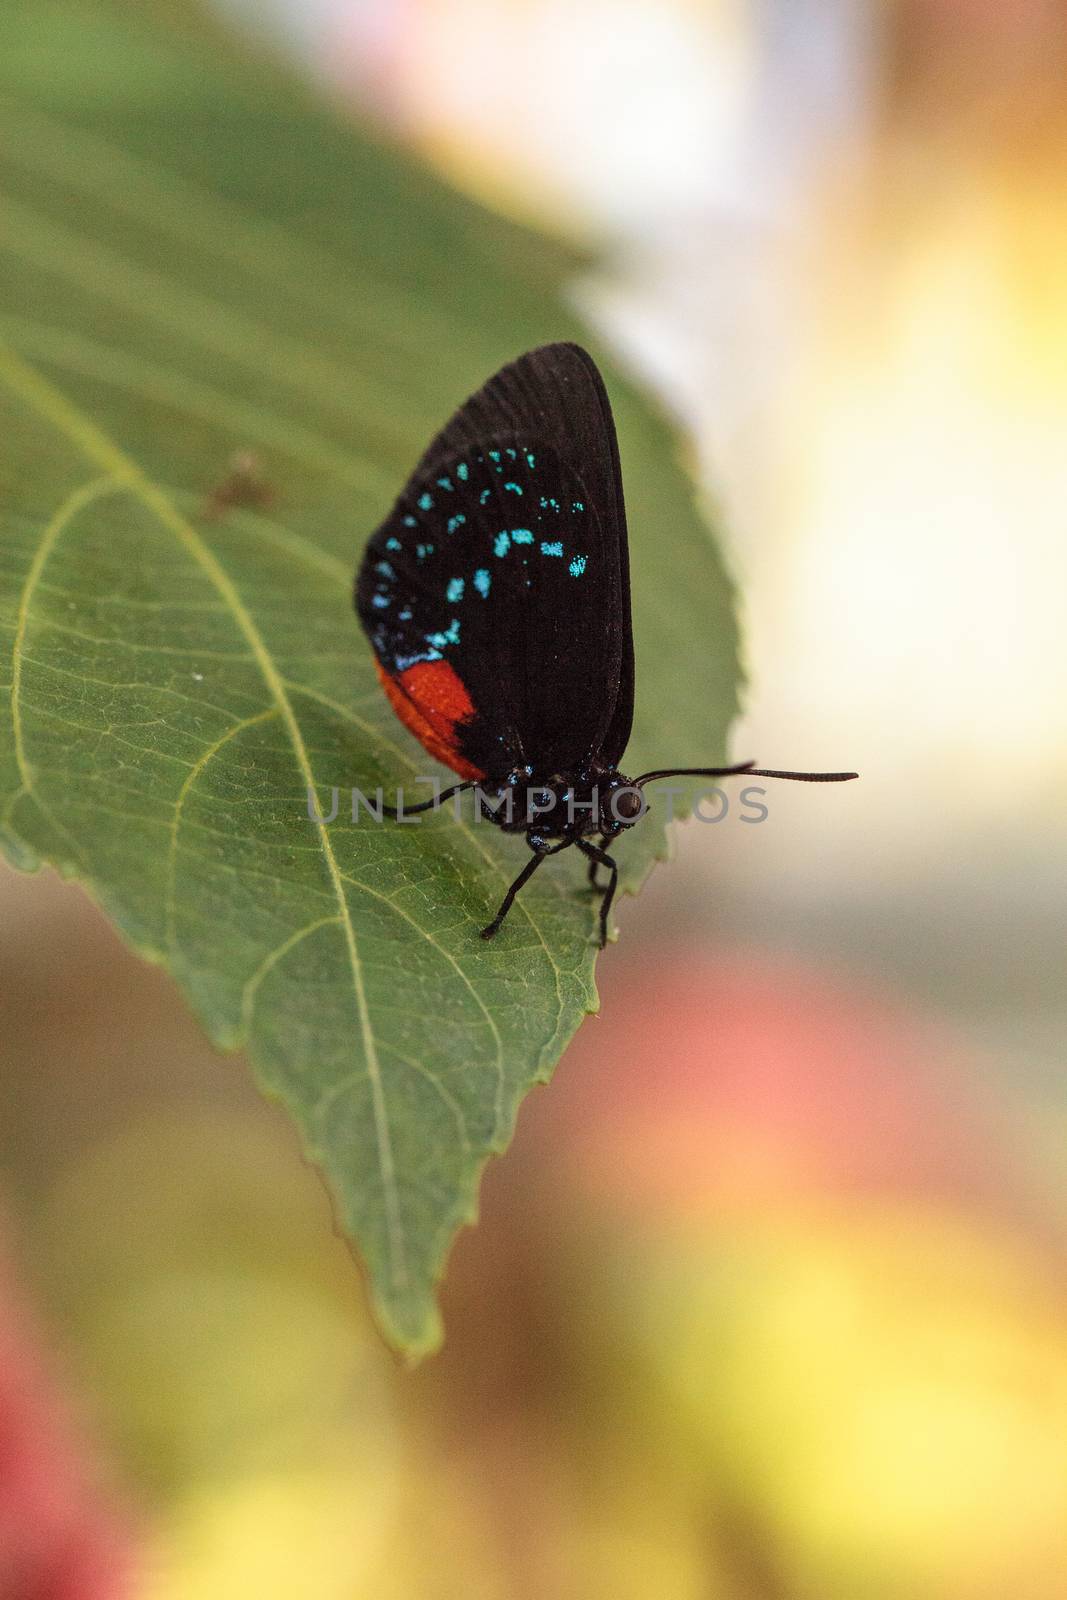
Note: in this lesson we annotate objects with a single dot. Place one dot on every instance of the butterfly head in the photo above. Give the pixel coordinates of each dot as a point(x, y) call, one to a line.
point(574, 806)
point(620, 804)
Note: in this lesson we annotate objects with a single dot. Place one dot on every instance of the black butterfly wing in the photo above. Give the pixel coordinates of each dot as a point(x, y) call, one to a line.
point(557, 392)
point(496, 593)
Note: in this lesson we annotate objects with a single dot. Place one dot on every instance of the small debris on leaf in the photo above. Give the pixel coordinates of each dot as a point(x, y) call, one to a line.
point(245, 484)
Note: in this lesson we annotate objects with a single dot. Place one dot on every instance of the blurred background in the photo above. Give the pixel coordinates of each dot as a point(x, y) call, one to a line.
point(768, 1301)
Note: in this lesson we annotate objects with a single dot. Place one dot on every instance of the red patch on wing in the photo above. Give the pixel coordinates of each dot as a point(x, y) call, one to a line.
point(431, 699)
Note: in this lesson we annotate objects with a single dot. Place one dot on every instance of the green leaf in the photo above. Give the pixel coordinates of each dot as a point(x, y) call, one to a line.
point(198, 259)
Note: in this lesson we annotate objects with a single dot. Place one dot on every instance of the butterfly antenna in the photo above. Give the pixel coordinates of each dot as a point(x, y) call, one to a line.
point(692, 772)
point(804, 777)
point(748, 767)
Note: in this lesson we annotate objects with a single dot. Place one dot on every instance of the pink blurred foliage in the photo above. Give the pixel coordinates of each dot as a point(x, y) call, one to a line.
point(715, 1088)
point(61, 1536)
point(720, 1084)
point(747, 1073)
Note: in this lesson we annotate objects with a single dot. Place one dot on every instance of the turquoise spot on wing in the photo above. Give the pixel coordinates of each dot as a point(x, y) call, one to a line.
point(577, 566)
point(482, 580)
point(522, 535)
point(514, 487)
point(381, 601)
point(483, 497)
point(553, 548)
point(456, 522)
point(385, 569)
point(545, 503)
point(450, 635)
point(392, 544)
point(404, 662)
point(423, 550)
point(494, 455)
point(577, 505)
point(501, 544)
point(411, 522)
point(462, 472)
point(511, 452)
point(531, 458)
point(454, 592)
point(425, 502)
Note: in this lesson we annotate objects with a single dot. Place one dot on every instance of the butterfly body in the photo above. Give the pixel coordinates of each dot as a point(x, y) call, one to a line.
point(496, 599)
point(565, 805)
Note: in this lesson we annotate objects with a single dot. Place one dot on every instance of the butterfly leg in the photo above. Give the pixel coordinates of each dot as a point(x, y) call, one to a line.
point(509, 899)
point(426, 805)
point(540, 852)
point(594, 866)
point(600, 858)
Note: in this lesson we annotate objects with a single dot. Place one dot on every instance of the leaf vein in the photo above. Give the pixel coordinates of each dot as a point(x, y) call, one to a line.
point(169, 202)
point(55, 407)
point(235, 419)
point(251, 988)
point(346, 713)
point(443, 950)
point(152, 296)
point(169, 907)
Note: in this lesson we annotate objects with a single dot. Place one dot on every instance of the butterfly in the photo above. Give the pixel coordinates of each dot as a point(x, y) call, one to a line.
point(496, 598)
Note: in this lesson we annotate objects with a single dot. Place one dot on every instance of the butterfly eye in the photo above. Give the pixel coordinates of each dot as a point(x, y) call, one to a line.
point(627, 805)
